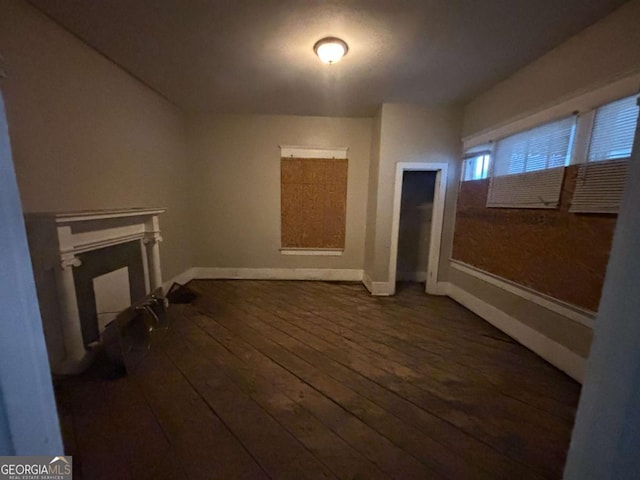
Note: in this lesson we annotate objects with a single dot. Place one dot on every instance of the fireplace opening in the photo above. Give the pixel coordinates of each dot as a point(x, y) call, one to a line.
point(107, 281)
point(112, 294)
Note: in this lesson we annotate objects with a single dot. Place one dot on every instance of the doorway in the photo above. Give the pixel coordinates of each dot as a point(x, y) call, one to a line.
point(414, 230)
point(29, 422)
point(418, 212)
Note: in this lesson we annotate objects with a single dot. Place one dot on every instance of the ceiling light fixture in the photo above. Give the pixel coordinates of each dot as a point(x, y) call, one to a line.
point(330, 49)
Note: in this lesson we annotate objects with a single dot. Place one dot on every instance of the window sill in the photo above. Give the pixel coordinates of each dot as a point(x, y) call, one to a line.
point(327, 252)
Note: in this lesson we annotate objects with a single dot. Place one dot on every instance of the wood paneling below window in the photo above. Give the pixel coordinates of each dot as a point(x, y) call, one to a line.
point(552, 251)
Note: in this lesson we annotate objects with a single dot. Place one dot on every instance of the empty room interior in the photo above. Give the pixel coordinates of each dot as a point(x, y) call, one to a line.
point(321, 239)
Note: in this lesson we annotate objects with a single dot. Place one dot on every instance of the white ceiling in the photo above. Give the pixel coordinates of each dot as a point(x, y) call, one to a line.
point(256, 56)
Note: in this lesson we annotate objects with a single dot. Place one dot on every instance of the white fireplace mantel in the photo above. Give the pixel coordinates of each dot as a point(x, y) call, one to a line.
point(56, 240)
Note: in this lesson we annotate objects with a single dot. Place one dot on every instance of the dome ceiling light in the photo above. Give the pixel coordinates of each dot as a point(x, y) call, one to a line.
point(330, 49)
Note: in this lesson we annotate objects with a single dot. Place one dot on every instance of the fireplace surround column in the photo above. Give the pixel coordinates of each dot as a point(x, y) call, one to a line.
point(76, 356)
point(152, 241)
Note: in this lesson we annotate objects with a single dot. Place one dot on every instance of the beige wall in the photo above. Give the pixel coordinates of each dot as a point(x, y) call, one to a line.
point(608, 50)
point(85, 134)
point(235, 187)
point(414, 134)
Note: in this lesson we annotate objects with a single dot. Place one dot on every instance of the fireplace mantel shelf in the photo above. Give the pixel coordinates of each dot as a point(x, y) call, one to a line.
point(86, 215)
point(83, 231)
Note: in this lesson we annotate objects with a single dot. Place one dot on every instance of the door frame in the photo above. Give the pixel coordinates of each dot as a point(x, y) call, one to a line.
point(437, 219)
point(28, 417)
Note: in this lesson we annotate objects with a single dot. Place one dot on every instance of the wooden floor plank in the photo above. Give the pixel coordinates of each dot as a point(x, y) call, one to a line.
point(462, 364)
point(205, 446)
point(278, 452)
point(458, 403)
point(286, 379)
point(498, 371)
point(452, 449)
point(328, 447)
point(445, 384)
point(434, 323)
point(272, 361)
point(497, 423)
point(95, 443)
point(450, 437)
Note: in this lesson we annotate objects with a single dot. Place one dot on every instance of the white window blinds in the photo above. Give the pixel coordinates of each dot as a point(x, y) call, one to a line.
point(599, 187)
point(614, 127)
point(546, 146)
point(540, 189)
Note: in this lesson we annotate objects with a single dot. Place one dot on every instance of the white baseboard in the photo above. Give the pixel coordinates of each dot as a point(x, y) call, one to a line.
point(366, 280)
point(553, 352)
point(440, 288)
point(324, 274)
point(377, 289)
point(385, 289)
point(182, 278)
point(381, 289)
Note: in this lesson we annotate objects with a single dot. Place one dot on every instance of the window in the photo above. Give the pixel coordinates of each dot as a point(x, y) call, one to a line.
point(546, 146)
point(614, 127)
point(476, 167)
point(527, 169)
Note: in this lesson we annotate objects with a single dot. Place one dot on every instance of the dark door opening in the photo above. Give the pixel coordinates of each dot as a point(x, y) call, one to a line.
point(416, 210)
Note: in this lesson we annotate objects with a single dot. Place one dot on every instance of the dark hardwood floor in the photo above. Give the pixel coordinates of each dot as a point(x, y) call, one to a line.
point(275, 379)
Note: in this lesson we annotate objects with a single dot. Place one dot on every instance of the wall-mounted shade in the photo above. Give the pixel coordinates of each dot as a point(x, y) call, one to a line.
point(330, 50)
